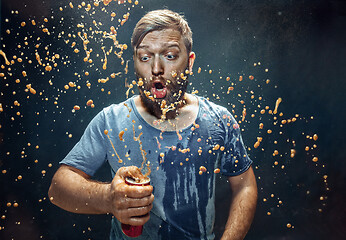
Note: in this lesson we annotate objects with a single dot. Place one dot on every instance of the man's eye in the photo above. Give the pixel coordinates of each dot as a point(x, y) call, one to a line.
point(145, 58)
point(170, 56)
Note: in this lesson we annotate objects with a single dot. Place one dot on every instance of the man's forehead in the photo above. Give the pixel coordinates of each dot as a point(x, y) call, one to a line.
point(160, 44)
point(164, 38)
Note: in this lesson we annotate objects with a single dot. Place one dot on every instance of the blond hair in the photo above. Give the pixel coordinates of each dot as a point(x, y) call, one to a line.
point(159, 20)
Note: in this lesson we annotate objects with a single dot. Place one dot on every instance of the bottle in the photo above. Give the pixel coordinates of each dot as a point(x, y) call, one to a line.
point(128, 230)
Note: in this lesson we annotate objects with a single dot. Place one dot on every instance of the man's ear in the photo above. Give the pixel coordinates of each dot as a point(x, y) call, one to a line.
point(192, 57)
point(134, 61)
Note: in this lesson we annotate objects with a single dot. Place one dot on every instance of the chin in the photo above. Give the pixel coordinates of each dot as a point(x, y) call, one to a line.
point(155, 104)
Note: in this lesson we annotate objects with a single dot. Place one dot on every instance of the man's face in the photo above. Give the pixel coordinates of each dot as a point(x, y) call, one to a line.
point(159, 60)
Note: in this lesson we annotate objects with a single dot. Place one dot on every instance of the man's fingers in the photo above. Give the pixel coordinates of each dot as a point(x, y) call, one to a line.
point(134, 216)
point(131, 204)
point(124, 190)
point(127, 202)
point(140, 191)
point(138, 221)
point(131, 171)
point(139, 211)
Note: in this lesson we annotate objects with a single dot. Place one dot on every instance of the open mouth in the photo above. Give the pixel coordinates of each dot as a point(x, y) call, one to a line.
point(158, 89)
point(158, 85)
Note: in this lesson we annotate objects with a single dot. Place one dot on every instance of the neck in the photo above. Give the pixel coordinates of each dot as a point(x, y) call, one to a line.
point(177, 119)
point(162, 110)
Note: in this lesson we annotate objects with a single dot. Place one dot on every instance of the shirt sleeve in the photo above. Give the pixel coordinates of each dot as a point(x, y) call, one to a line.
point(90, 152)
point(235, 160)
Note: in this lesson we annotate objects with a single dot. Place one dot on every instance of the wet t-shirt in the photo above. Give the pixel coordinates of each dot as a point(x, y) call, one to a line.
point(182, 164)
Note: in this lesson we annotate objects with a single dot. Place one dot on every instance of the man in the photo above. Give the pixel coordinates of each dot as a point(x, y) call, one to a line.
point(182, 138)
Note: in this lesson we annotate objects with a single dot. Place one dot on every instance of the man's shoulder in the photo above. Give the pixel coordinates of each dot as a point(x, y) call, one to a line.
point(118, 108)
point(211, 106)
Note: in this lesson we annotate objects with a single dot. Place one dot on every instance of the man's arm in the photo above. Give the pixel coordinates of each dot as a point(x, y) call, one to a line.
point(73, 190)
point(243, 205)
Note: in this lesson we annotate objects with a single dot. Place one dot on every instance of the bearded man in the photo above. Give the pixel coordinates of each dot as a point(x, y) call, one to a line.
point(184, 139)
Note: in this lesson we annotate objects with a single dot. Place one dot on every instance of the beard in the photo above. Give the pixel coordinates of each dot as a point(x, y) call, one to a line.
point(176, 90)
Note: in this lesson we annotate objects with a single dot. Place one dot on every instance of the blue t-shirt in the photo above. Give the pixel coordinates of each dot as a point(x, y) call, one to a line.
point(184, 195)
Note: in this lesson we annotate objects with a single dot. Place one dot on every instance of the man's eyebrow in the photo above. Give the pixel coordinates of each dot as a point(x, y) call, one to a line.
point(170, 45)
point(142, 46)
point(165, 45)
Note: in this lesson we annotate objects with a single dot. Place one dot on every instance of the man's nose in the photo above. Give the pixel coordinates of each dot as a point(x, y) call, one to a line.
point(157, 67)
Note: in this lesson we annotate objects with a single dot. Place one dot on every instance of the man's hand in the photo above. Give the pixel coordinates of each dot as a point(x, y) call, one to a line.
point(75, 191)
point(243, 205)
point(130, 204)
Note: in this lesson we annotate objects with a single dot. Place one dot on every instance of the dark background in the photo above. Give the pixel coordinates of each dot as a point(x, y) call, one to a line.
point(302, 43)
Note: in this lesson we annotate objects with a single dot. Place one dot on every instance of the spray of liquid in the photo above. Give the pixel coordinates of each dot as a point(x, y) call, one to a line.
point(34, 51)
